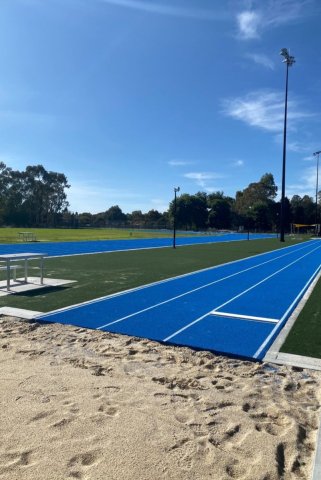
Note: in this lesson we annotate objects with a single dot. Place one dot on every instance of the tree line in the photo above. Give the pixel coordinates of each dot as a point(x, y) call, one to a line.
point(33, 197)
point(37, 198)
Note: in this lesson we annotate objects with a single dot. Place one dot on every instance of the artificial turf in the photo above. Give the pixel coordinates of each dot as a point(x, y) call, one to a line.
point(103, 274)
point(305, 335)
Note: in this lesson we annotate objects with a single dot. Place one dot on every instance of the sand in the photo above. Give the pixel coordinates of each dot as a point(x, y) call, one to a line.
point(83, 404)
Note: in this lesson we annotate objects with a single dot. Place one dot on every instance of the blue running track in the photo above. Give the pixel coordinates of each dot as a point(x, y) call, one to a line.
point(60, 249)
point(236, 308)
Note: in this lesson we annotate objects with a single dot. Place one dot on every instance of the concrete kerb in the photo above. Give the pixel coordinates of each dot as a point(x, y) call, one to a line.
point(274, 355)
point(19, 313)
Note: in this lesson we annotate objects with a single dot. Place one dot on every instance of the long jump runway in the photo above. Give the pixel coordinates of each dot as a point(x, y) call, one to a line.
point(236, 308)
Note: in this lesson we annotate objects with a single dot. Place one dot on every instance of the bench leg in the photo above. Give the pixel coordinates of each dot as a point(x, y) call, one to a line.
point(8, 275)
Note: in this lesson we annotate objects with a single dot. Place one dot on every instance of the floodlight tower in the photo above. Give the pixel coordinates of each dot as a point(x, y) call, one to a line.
point(316, 154)
point(289, 61)
point(176, 189)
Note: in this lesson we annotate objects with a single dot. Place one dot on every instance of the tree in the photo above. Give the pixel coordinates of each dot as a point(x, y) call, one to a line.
point(44, 195)
point(153, 219)
point(114, 216)
point(220, 210)
point(191, 211)
point(136, 218)
point(257, 201)
point(303, 210)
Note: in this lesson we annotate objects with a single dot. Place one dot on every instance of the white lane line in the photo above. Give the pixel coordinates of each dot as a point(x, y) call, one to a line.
point(293, 249)
point(245, 317)
point(184, 328)
point(257, 353)
point(190, 291)
point(243, 293)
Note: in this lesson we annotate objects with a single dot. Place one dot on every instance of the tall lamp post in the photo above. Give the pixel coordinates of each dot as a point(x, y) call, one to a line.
point(316, 154)
point(289, 61)
point(174, 223)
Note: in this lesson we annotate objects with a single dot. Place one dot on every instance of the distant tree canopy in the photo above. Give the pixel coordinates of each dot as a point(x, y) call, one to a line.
point(37, 198)
point(255, 204)
point(33, 197)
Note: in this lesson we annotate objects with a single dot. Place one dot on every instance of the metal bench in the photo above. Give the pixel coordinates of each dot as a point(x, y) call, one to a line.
point(27, 236)
point(13, 268)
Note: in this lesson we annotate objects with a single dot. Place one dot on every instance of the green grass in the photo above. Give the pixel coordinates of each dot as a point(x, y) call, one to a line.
point(10, 235)
point(102, 274)
point(305, 335)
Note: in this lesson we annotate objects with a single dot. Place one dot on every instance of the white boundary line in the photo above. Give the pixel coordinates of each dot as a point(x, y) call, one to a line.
point(273, 354)
point(159, 282)
point(245, 291)
point(257, 353)
point(245, 317)
point(200, 288)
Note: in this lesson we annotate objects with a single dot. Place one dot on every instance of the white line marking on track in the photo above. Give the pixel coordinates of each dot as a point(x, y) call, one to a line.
point(194, 290)
point(243, 293)
point(259, 350)
point(245, 317)
point(184, 328)
point(293, 248)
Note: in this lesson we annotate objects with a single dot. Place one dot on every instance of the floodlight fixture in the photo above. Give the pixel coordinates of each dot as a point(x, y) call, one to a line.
point(289, 61)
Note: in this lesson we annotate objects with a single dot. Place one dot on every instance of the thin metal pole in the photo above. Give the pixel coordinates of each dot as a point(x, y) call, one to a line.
point(316, 195)
point(282, 216)
point(174, 222)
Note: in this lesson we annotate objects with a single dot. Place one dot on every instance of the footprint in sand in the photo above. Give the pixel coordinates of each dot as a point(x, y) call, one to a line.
point(42, 415)
point(11, 460)
point(235, 470)
point(184, 452)
point(80, 464)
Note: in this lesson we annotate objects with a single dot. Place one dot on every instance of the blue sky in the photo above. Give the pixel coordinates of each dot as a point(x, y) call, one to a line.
point(131, 98)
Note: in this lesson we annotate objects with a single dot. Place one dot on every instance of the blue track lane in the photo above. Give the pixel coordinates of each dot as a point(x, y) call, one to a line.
point(59, 249)
point(236, 308)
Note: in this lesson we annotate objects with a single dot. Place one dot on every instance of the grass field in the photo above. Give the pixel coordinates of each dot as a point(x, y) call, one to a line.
point(103, 274)
point(11, 235)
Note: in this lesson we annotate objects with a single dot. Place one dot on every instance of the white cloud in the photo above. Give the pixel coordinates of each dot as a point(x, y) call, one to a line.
point(264, 109)
point(297, 146)
point(179, 163)
point(261, 16)
point(306, 184)
point(169, 10)
point(201, 178)
point(261, 59)
point(279, 12)
point(238, 163)
point(248, 23)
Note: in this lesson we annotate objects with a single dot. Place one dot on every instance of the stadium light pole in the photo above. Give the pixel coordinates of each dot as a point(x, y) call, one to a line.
point(176, 189)
point(289, 61)
point(316, 154)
